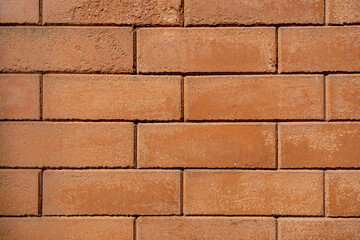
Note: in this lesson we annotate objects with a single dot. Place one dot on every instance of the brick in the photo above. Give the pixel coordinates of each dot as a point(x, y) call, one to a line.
point(319, 145)
point(342, 11)
point(19, 96)
point(94, 192)
point(19, 11)
point(318, 228)
point(66, 49)
point(205, 228)
point(343, 96)
point(206, 145)
point(182, 50)
point(138, 12)
point(254, 97)
point(112, 97)
point(213, 12)
point(230, 192)
point(319, 49)
point(57, 228)
point(19, 192)
point(342, 191)
point(46, 144)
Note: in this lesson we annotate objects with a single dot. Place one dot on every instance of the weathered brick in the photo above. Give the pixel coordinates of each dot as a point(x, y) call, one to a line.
point(112, 97)
point(229, 192)
point(343, 96)
point(213, 12)
point(342, 193)
point(206, 50)
point(19, 96)
point(205, 228)
point(19, 191)
point(342, 11)
point(19, 11)
point(93, 192)
point(319, 145)
point(318, 228)
point(45, 144)
point(138, 12)
point(319, 49)
point(106, 228)
point(254, 97)
point(66, 49)
point(206, 145)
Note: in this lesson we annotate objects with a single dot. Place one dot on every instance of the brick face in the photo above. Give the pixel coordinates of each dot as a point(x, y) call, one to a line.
point(19, 11)
point(342, 11)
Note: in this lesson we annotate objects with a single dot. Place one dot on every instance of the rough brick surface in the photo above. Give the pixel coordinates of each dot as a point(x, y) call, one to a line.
point(112, 97)
point(342, 11)
point(207, 50)
point(319, 145)
point(215, 12)
point(342, 193)
point(227, 192)
point(36, 144)
point(254, 97)
point(206, 145)
point(57, 228)
point(66, 49)
point(343, 96)
point(19, 11)
point(19, 96)
point(206, 228)
point(94, 192)
point(19, 192)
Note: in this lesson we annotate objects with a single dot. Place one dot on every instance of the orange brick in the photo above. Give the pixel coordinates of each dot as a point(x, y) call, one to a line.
point(206, 145)
point(343, 96)
point(342, 11)
point(206, 50)
point(112, 97)
point(66, 49)
point(319, 49)
point(205, 228)
point(230, 192)
point(19, 11)
point(19, 191)
point(342, 193)
point(19, 96)
point(254, 97)
point(319, 145)
point(213, 12)
point(44, 144)
point(318, 228)
point(92, 192)
point(57, 228)
point(138, 12)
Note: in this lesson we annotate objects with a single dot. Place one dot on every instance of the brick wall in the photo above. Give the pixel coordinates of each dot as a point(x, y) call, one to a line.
point(171, 119)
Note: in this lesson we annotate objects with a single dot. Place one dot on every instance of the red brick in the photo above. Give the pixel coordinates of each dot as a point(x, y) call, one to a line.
point(44, 144)
point(138, 12)
point(67, 228)
point(66, 49)
point(19, 96)
point(205, 228)
point(112, 97)
point(318, 228)
point(206, 50)
point(19, 191)
point(19, 11)
point(206, 145)
point(343, 96)
point(342, 11)
point(319, 145)
point(213, 12)
point(342, 193)
point(319, 49)
point(93, 192)
point(254, 97)
point(230, 192)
